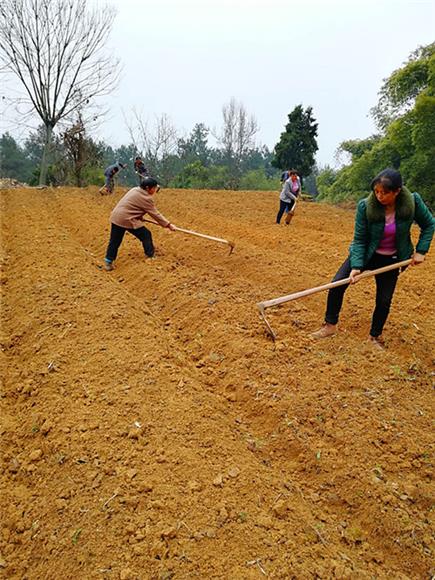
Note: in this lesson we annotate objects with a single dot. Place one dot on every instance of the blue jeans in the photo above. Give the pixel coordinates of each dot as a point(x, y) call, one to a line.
point(109, 183)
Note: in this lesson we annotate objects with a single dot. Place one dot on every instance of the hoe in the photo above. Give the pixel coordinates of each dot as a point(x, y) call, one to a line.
point(192, 233)
point(296, 295)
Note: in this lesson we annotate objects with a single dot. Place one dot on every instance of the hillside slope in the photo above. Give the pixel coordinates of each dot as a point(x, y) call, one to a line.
point(150, 429)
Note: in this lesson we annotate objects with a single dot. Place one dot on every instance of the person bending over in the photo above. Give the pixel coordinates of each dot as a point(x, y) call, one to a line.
point(128, 216)
point(109, 175)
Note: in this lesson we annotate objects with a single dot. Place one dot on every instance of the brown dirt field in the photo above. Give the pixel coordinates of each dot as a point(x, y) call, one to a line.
point(150, 429)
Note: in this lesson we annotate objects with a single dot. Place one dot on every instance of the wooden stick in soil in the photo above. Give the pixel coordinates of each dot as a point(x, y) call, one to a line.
point(192, 233)
point(296, 295)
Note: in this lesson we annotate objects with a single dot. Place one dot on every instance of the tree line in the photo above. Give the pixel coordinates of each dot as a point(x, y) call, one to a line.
point(405, 119)
point(80, 160)
point(235, 162)
point(56, 52)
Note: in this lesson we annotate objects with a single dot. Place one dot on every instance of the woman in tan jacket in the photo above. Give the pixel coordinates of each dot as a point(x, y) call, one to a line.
point(127, 216)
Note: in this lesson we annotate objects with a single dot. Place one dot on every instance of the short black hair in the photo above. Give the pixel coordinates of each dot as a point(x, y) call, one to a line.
point(390, 179)
point(148, 182)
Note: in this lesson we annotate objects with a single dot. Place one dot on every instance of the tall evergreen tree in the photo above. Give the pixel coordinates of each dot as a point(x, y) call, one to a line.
point(297, 145)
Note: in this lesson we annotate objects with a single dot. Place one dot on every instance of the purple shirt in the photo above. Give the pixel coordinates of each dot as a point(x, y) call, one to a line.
point(387, 246)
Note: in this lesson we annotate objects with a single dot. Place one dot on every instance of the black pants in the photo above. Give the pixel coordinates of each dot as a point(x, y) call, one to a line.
point(385, 286)
point(283, 205)
point(117, 235)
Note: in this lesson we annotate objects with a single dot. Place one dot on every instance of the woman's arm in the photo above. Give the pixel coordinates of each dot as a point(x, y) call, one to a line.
point(426, 222)
point(360, 237)
point(287, 193)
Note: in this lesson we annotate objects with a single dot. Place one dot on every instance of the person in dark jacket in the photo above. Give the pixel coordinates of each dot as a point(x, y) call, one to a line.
point(109, 174)
point(381, 237)
point(140, 169)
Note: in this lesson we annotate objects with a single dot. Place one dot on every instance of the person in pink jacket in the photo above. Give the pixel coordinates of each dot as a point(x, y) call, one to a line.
point(127, 216)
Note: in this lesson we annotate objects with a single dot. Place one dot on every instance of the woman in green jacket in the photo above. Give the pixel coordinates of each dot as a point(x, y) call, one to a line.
point(382, 237)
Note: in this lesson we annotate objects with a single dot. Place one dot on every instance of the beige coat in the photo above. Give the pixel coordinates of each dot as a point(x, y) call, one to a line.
point(131, 208)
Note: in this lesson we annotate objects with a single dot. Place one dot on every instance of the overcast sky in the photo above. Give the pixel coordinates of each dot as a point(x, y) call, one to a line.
point(187, 58)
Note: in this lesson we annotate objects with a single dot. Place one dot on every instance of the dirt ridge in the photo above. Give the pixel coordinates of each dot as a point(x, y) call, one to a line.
point(151, 430)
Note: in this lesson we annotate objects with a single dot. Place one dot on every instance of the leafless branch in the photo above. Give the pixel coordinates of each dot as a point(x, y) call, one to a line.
point(55, 49)
point(238, 130)
point(154, 142)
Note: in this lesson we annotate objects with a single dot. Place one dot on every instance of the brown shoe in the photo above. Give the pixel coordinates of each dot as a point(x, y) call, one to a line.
point(377, 342)
point(326, 330)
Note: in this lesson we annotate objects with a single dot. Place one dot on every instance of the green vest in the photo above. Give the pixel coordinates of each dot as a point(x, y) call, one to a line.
point(370, 224)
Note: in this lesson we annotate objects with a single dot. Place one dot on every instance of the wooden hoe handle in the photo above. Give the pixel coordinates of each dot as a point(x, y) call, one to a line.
point(192, 233)
point(276, 301)
point(296, 295)
point(202, 235)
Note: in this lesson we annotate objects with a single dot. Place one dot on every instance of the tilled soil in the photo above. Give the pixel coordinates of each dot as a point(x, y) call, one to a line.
point(150, 427)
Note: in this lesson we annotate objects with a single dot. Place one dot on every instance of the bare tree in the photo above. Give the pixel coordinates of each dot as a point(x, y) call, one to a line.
point(236, 136)
point(156, 144)
point(54, 48)
point(80, 148)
